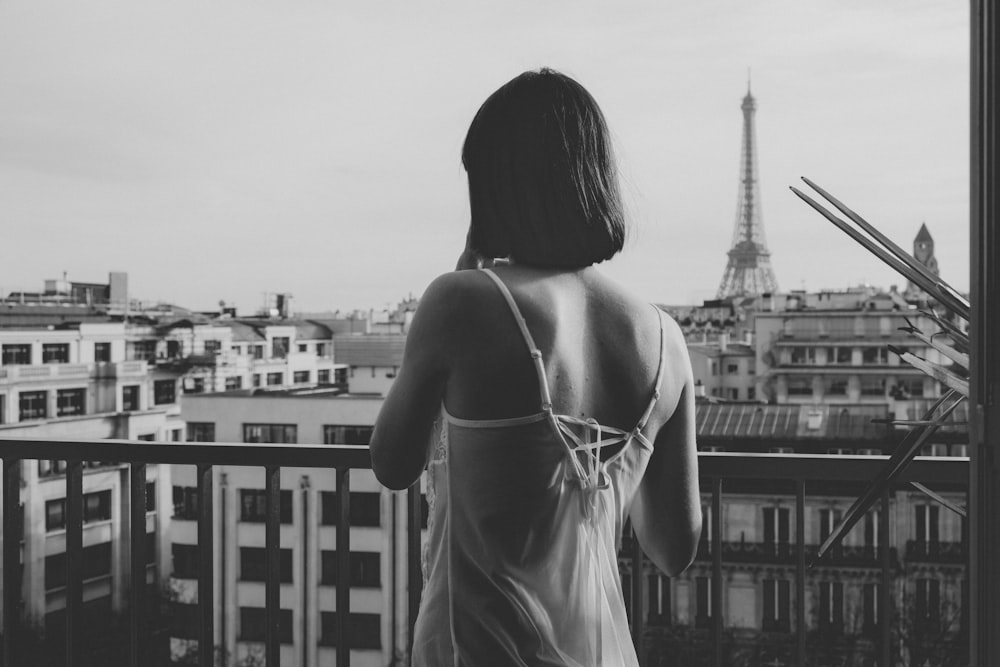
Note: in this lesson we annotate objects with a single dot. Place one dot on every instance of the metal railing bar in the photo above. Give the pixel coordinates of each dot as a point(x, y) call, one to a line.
point(272, 564)
point(637, 590)
point(137, 544)
point(180, 453)
point(206, 567)
point(885, 582)
point(11, 557)
point(800, 573)
point(716, 572)
point(343, 567)
point(74, 559)
point(829, 467)
point(415, 582)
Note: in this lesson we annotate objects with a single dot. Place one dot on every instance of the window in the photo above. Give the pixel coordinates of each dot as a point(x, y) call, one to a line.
point(362, 631)
point(776, 523)
point(340, 376)
point(236, 349)
point(715, 368)
point(365, 509)
point(800, 386)
point(828, 520)
point(55, 353)
point(55, 514)
point(732, 369)
point(869, 594)
point(703, 602)
point(150, 496)
point(927, 602)
point(365, 569)
point(322, 350)
point(201, 431)
point(275, 378)
point(213, 346)
point(17, 355)
point(777, 598)
point(253, 624)
point(926, 524)
point(164, 391)
point(173, 349)
point(96, 562)
point(303, 347)
point(33, 405)
point(658, 594)
point(831, 606)
point(751, 393)
point(234, 382)
point(872, 387)
point(877, 356)
point(253, 506)
point(194, 385)
point(732, 393)
point(186, 560)
point(838, 355)
point(253, 565)
point(138, 350)
point(802, 355)
point(836, 387)
point(185, 621)
point(256, 351)
point(3, 399)
point(186, 502)
point(323, 376)
point(346, 435)
point(300, 377)
point(871, 533)
point(97, 506)
point(256, 379)
point(48, 467)
point(102, 352)
point(273, 433)
point(279, 347)
point(71, 402)
point(130, 398)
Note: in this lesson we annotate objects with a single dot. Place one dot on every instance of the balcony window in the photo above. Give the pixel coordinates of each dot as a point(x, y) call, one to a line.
point(346, 435)
point(926, 526)
point(234, 382)
point(256, 379)
point(874, 356)
point(186, 502)
point(363, 631)
point(366, 569)
point(802, 356)
point(872, 387)
point(201, 431)
point(831, 606)
point(17, 355)
point(838, 356)
point(164, 392)
point(365, 510)
point(777, 604)
point(275, 379)
point(776, 527)
point(253, 623)
point(71, 402)
point(658, 594)
point(213, 346)
point(279, 347)
point(253, 506)
point(869, 596)
point(55, 353)
point(273, 433)
point(173, 349)
point(140, 350)
point(300, 377)
point(130, 398)
point(800, 386)
point(253, 566)
point(33, 405)
point(96, 562)
point(836, 387)
point(323, 376)
point(186, 560)
point(97, 506)
point(102, 352)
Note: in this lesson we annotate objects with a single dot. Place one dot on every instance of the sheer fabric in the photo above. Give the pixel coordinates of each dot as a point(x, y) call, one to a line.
point(520, 564)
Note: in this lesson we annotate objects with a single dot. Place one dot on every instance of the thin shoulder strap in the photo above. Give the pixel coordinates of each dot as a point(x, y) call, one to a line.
point(659, 376)
point(536, 354)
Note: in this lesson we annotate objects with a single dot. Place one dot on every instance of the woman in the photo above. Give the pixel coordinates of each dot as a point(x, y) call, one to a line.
point(545, 401)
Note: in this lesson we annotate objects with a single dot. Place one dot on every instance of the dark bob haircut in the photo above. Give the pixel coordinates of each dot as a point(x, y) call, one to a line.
point(543, 186)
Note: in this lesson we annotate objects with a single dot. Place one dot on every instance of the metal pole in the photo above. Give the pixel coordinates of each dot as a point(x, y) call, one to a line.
point(206, 578)
point(272, 565)
point(12, 529)
point(800, 573)
point(137, 539)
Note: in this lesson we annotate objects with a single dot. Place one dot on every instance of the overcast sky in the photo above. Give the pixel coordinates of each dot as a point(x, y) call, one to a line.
point(220, 150)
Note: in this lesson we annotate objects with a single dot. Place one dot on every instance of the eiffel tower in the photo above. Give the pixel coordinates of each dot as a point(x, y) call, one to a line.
point(748, 271)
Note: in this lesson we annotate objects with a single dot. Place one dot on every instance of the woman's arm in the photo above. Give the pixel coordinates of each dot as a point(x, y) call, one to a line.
point(399, 443)
point(666, 510)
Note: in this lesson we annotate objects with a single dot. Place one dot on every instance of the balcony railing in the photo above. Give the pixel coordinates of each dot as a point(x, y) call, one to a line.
point(792, 473)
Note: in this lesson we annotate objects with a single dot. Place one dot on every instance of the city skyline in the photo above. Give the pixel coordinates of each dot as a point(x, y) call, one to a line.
point(219, 152)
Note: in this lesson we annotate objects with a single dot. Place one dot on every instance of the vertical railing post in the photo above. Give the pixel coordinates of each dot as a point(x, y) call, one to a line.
point(800, 573)
point(137, 539)
point(344, 567)
point(717, 572)
point(415, 577)
point(984, 331)
point(12, 529)
point(74, 561)
point(206, 567)
point(272, 564)
point(884, 593)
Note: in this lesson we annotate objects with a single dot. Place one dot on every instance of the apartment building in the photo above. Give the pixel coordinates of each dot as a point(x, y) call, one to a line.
point(308, 533)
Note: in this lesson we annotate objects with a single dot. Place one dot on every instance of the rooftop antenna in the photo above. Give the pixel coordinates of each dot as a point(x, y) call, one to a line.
point(748, 80)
